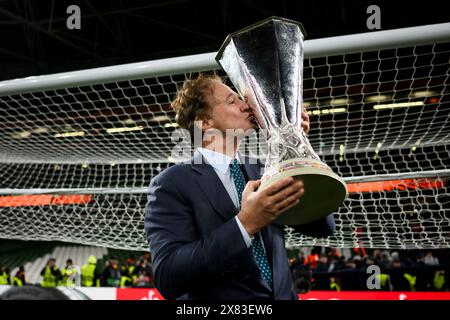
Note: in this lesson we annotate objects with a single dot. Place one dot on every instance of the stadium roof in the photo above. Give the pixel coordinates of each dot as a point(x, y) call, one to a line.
point(36, 40)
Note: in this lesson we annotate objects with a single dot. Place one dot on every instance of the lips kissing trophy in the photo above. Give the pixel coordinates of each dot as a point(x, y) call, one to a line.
point(265, 64)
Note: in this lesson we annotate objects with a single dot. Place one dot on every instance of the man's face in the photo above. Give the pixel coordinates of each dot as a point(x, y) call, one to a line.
point(229, 111)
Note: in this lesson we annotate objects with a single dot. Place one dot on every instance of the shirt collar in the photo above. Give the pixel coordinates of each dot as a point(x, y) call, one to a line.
point(219, 161)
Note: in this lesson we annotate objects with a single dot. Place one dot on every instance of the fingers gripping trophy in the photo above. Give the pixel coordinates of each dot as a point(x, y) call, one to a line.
point(265, 64)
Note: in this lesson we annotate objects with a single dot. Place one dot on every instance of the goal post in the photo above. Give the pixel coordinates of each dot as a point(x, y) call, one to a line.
point(80, 148)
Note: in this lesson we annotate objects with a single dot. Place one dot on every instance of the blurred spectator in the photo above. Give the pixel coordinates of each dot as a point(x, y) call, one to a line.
point(112, 273)
point(297, 262)
point(313, 257)
point(340, 264)
point(385, 262)
point(50, 274)
point(144, 272)
point(377, 256)
point(431, 260)
point(90, 276)
point(4, 276)
point(424, 276)
point(360, 251)
point(128, 275)
point(332, 263)
point(335, 284)
point(351, 278)
point(19, 278)
point(397, 277)
point(302, 273)
point(332, 253)
point(439, 280)
point(145, 262)
point(68, 274)
point(144, 279)
point(394, 255)
point(321, 277)
point(359, 262)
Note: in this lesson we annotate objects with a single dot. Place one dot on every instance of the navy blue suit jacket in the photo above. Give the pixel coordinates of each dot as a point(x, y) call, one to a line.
point(197, 248)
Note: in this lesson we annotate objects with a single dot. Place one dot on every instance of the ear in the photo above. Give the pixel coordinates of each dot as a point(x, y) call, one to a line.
point(203, 124)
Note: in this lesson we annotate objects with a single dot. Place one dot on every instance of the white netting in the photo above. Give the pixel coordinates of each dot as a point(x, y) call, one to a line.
point(76, 162)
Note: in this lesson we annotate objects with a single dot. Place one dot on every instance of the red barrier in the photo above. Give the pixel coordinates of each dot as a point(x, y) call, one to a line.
point(138, 294)
point(153, 294)
point(373, 295)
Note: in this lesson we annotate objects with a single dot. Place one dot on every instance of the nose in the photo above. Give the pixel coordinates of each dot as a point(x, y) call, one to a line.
point(244, 105)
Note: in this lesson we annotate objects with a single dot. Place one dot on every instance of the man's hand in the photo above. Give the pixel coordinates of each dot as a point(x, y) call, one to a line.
point(305, 121)
point(261, 207)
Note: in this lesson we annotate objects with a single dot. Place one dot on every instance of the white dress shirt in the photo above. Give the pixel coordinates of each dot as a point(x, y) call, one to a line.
point(221, 164)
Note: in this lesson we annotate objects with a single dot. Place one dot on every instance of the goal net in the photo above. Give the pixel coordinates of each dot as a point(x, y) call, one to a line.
point(79, 149)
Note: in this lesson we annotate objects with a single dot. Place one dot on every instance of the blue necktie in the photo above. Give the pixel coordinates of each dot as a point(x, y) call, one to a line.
point(257, 245)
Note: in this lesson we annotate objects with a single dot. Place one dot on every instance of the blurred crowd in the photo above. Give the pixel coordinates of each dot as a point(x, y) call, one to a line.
point(115, 273)
point(315, 268)
point(387, 270)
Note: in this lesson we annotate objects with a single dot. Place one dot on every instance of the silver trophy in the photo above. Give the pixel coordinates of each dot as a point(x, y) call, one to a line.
point(265, 64)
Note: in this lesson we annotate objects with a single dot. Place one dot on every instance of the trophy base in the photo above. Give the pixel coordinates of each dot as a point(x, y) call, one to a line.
point(324, 190)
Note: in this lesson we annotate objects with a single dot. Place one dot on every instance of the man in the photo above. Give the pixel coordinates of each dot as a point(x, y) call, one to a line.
point(19, 278)
point(210, 239)
point(68, 274)
point(50, 274)
point(4, 276)
point(112, 273)
point(128, 274)
point(90, 276)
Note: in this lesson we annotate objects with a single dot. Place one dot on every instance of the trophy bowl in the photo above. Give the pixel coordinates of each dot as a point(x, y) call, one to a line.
point(324, 190)
point(265, 64)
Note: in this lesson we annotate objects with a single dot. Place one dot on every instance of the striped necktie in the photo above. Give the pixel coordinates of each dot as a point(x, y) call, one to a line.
point(257, 245)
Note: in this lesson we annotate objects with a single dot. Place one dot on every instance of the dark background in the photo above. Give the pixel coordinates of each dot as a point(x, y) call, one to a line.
point(35, 39)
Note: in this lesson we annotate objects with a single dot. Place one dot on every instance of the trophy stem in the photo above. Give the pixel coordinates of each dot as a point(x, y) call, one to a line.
point(288, 142)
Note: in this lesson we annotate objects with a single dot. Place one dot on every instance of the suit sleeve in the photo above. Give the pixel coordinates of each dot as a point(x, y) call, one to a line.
point(181, 259)
point(318, 229)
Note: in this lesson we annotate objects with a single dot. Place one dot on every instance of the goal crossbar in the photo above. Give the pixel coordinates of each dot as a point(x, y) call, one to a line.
point(377, 40)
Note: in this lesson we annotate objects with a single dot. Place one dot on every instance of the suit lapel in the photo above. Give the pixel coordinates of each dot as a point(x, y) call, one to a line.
point(213, 188)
